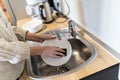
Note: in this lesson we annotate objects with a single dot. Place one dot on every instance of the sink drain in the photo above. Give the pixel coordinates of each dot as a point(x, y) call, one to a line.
point(63, 69)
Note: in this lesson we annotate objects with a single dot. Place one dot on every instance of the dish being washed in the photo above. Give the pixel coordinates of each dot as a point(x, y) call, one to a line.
point(63, 44)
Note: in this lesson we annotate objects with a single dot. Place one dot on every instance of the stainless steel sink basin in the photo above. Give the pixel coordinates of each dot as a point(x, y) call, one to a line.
point(82, 54)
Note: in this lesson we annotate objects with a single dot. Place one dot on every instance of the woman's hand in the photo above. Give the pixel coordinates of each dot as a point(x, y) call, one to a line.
point(47, 50)
point(38, 38)
point(53, 51)
point(42, 37)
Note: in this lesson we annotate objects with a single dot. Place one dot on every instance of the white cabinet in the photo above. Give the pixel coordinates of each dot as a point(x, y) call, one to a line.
point(16, 9)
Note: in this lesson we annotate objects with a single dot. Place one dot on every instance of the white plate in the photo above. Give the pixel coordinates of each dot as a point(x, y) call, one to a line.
point(58, 43)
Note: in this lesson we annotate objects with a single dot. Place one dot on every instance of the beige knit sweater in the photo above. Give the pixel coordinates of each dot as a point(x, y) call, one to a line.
point(13, 50)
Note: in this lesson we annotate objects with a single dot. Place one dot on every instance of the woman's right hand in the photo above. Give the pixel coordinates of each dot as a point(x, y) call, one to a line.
point(53, 51)
point(47, 50)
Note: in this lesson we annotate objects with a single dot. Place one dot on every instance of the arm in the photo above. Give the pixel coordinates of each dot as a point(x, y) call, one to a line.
point(47, 50)
point(23, 35)
point(20, 33)
point(38, 50)
point(13, 52)
point(38, 37)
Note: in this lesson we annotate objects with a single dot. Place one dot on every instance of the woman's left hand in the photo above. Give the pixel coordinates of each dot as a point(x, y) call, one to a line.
point(38, 37)
point(42, 37)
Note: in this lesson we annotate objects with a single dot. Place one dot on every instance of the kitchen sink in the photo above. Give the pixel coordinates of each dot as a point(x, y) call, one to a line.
point(82, 54)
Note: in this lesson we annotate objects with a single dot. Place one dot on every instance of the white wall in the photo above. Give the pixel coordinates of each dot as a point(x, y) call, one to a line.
point(76, 12)
point(103, 20)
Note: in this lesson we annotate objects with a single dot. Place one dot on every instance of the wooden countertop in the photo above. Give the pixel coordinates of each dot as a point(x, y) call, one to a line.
point(103, 60)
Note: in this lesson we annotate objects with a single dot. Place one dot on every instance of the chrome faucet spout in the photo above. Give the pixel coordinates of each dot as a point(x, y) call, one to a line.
point(72, 29)
point(58, 33)
point(59, 36)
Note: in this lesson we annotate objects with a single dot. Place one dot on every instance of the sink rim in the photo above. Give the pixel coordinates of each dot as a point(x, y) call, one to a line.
point(92, 57)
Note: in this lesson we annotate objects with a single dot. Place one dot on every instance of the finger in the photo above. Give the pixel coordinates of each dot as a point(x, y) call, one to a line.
point(50, 37)
point(60, 50)
point(41, 41)
point(59, 54)
point(47, 38)
point(55, 56)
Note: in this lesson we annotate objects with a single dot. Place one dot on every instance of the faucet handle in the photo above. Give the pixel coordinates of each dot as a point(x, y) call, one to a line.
point(58, 34)
point(70, 22)
point(72, 28)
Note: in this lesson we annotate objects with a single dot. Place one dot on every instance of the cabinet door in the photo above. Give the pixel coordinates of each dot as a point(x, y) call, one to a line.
point(107, 74)
point(16, 9)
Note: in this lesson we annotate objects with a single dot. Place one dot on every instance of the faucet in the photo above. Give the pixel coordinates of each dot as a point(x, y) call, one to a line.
point(72, 28)
point(58, 33)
